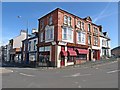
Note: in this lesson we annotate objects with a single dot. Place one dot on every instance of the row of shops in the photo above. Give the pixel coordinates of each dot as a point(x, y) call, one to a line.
point(64, 54)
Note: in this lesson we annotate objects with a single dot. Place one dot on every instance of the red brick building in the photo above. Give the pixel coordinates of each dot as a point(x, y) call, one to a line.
point(66, 39)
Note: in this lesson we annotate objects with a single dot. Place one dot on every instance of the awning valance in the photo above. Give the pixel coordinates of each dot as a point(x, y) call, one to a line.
point(82, 51)
point(72, 53)
point(63, 53)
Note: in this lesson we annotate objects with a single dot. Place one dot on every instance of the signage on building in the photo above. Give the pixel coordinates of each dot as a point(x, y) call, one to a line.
point(54, 43)
point(62, 43)
point(77, 45)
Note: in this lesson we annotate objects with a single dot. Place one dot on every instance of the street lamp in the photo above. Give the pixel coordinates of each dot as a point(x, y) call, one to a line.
point(26, 27)
point(26, 48)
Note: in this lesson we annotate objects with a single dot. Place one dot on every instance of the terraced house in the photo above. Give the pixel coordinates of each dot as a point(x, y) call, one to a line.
point(66, 39)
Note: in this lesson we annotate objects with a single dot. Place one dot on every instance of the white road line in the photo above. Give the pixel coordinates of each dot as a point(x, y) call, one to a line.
point(78, 74)
point(27, 75)
point(79, 86)
point(113, 71)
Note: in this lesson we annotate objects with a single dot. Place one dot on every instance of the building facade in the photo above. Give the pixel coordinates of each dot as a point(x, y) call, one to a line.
point(29, 48)
point(66, 39)
point(116, 52)
point(105, 45)
point(15, 46)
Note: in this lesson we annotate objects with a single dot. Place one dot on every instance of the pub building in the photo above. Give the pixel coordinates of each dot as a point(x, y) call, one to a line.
point(65, 39)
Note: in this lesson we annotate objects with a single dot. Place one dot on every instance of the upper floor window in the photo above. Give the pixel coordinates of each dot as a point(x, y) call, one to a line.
point(50, 20)
point(29, 45)
point(79, 24)
point(89, 28)
point(67, 34)
point(95, 30)
point(65, 19)
point(42, 24)
point(49, 33)
point(104, 42)
point(95, 40)
point(81, 37)
point(89, 39)
point(82, 27)
point(41, 37)
point(35, 42)
point(69, 21)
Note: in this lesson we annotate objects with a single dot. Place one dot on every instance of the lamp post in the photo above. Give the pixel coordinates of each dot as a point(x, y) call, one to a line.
point(26, 26)
point(26, 44)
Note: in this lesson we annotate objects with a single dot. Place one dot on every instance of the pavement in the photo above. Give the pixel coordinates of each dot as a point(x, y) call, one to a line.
point(104, 75)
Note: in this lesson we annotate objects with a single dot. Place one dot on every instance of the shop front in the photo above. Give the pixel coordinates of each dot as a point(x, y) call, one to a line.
point(73, 54)
point(82, 55)
point(96, 54)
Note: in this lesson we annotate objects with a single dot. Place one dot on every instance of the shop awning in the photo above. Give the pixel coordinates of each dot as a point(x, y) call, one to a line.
point(63, 53)
point(72, 53)
point(82, 51)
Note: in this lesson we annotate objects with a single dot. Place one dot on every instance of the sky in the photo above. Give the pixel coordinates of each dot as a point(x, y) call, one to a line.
point(102, 13)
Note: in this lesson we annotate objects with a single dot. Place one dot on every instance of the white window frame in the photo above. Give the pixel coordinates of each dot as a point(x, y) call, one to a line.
point(69, 34)
point(49, 31)
point(89, 27)
point(82, 37)
point(79, 24)
point(50, 20)
point(82, 25)
point(69, 21)
point(65, 19)
point(41, 37)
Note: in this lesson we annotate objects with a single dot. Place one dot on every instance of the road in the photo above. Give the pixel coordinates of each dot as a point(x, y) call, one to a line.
point(100, 76)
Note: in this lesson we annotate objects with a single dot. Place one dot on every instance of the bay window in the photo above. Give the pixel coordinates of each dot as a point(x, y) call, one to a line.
point(49, 33)
point(81, 37)
point(67, 34)
point(95, 40)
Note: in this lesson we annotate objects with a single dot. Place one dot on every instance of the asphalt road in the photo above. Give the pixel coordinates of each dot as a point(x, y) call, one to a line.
point(100, 76)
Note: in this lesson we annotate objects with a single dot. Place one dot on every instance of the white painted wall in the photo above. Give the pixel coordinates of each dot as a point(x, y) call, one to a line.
point(105, 45)
point(58, 56)
point(17, 41)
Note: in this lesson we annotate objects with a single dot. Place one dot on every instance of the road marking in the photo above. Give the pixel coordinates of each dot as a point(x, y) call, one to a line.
point(75, 75)
point(113, 71)
point(27, 75)
point(76, 82)
point(78, 74)
point(79, 86)
point(4, 70)
point(25, 68)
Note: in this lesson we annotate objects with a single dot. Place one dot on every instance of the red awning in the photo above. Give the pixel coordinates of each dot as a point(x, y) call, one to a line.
point(63, 53)
point(82, 51)
point(72, 53)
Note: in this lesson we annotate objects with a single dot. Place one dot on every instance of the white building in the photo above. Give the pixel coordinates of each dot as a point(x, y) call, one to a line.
point(16, 45)
point(105, 45)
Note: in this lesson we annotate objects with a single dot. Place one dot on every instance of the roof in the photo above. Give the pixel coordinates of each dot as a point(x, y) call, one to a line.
point(88, 17)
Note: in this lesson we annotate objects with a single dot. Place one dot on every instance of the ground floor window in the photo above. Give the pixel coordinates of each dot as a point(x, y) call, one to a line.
point(81, 57)
point(70, 58)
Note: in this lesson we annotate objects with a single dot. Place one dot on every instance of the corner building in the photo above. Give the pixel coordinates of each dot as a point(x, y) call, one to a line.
point(66, 39)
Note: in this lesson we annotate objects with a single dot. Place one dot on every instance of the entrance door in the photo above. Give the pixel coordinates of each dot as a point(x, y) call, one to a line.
point(62, 61)
point(89, 55)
